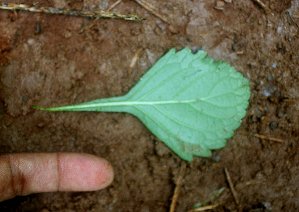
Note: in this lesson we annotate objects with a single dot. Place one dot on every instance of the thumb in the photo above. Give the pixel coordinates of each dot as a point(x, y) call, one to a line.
point(26, 173)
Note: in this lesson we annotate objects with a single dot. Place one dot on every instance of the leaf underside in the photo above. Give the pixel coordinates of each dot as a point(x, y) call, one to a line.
point(188, 101)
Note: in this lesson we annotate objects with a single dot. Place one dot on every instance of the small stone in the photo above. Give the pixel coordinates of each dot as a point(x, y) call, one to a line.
point(67, 34)
point(189, 40)
point(220, 5)
point(38, 29)
point(239, 47)
point(268, 90)
point(80, 74)
point(267, 205)
point(215, 157)
point(41, 124)
point(31, 41)
point(173, 29)
point(194, 51)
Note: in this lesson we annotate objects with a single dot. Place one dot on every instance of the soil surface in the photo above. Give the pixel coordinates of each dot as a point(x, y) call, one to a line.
point(45, 61)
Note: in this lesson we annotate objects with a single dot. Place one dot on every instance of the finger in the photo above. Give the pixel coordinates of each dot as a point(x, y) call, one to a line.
point(26, 173)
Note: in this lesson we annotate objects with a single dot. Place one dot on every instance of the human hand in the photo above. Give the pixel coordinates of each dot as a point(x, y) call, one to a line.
point(26, 173)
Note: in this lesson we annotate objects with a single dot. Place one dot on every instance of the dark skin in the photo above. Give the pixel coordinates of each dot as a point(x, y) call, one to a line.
point(26, 173)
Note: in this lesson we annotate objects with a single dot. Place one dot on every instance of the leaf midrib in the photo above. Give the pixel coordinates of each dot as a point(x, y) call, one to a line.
point(125, 103)
point(134, 103)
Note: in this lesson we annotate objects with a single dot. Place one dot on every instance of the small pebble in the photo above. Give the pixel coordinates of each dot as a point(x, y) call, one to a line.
point(268, 90)
point(189, 40)
point(267, 205)
point(220, 5)
point(194, 51)
point(38, 29)
point(173, 29)
point(239, 47)
point(31, 41)
point(216, 158)
point(41, 124)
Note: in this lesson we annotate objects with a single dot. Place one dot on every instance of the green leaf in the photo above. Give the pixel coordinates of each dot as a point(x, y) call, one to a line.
point(188, 101)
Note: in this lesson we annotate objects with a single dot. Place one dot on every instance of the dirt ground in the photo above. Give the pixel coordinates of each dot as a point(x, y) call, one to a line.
point(45, 61)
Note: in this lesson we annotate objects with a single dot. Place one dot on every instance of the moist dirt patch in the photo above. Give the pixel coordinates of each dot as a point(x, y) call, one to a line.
point(45, 61)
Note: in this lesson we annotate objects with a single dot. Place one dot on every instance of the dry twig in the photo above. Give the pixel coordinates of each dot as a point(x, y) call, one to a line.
point(178, 186)
point(151, 9)
point(91, 24)
point(291, 100)
point(52, 10)
point(269, 138)
point(204, 208)
point(231, 186)
point(114, 5)
point(134, 59)
point(263, 137)
point(262, 5)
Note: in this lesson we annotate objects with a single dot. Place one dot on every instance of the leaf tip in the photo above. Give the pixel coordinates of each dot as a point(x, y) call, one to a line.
point(39, 108)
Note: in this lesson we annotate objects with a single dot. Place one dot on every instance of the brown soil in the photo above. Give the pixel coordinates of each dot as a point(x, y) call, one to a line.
point(59, 66)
